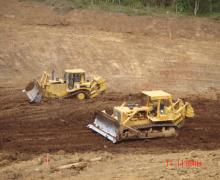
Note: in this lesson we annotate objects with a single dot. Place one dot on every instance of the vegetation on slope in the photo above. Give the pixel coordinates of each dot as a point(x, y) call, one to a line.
point(144, 7)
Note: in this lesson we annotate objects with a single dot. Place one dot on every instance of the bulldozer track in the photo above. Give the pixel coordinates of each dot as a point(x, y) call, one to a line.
point(73, 94)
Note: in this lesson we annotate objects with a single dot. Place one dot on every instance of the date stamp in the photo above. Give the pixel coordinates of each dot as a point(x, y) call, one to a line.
point(183, 163)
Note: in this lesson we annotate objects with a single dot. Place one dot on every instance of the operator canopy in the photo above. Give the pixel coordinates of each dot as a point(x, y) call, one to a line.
point(75, 71)
point(158, 94)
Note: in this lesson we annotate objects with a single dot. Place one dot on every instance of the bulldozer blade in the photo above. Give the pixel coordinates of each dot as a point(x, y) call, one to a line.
point(33, 91)
point(105, 125)
point(189, 111)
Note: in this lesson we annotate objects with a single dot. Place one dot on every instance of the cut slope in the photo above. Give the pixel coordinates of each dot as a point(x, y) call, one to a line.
point(179, 54)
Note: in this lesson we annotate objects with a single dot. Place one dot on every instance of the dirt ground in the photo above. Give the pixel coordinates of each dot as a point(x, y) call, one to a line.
point(61, 124)
point(29, 131)
point(133, 53)
point(106, 165)
point(178, 54)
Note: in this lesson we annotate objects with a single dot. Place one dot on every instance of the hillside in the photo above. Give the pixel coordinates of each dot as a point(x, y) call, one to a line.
point(179, 54)
point(51, 140)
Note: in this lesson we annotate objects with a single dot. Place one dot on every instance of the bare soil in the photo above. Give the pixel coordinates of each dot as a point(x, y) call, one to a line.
point(58, 127)
point(106, 165)
point(61, 124)
point(133, 53)
point(177, 54)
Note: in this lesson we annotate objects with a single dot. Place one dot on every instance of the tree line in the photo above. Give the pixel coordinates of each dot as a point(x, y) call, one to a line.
point(180, 6)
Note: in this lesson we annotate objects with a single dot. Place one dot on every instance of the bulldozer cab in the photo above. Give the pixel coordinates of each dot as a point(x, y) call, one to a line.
point(159, 104)
point(74, 77)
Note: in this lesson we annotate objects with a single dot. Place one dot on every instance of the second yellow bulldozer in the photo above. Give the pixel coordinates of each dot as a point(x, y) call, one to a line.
point(74, 84)
point(156, 116)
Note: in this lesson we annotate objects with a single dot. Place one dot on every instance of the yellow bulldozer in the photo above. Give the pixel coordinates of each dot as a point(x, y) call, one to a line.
point(156, 116)
point(74, 84)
